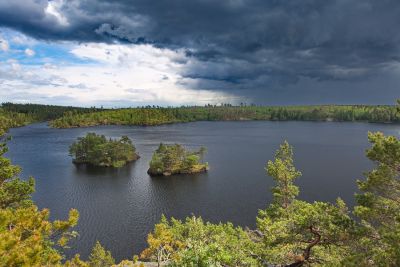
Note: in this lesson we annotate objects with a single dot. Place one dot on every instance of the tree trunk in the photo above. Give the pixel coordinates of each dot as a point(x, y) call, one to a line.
point(307, 250)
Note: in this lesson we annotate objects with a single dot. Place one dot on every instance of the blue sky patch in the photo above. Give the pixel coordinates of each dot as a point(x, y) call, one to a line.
point(57, 53)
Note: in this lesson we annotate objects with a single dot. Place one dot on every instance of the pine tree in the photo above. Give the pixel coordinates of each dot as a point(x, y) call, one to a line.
point(99, 257)
point(294, 232)
point(284, 173)
point(13, 191)
point(27, 237)
point(379, 204)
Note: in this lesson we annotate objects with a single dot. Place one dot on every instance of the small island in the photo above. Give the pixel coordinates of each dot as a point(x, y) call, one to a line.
point(97, 150)
point(175, 159)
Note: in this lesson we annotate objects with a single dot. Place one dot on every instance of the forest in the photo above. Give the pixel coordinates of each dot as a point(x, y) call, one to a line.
point(97, 150)
point(46, 112)
point(175, 159)
point(9, 119)
point(148, 116)
point(16, 115)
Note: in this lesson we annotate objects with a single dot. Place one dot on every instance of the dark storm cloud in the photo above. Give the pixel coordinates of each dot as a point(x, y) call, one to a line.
point(242, 43)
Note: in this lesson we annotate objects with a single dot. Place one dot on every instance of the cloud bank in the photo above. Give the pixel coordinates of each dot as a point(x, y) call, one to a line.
point(270, 51)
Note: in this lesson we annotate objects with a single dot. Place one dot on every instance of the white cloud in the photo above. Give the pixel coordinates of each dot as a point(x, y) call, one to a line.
point(29, 52)
point(49, 66)
point(15, 66)
point(53, 9)
point(4, 44)
point(117, 75)
point(21, 39)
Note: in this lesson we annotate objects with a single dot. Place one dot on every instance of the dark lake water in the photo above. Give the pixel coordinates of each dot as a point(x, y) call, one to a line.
point(119, 207)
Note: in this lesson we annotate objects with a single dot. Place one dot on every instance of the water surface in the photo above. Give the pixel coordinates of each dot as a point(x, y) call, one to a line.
point(119, 207)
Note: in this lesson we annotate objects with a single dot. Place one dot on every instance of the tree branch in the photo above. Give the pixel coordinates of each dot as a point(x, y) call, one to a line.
point(307, 251)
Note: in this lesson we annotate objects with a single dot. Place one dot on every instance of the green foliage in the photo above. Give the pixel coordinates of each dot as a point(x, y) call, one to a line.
point(305, 233)
point(158, 115)
point(163, 244)
point(196, 243)
point(45, 112)
point(98, 151)
point(379, 204)
point(75, 262)
point(174, 159)
point(14, 192)
point(15, 115)
point(297, 232)
point(99, 257)
point(398, 106)
point(292, 232)
point(10, 119)
point(284, 173)
point(27, 237)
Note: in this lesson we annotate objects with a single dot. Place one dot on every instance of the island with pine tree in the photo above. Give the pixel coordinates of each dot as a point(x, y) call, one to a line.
point(175, 159)
point(97, 150)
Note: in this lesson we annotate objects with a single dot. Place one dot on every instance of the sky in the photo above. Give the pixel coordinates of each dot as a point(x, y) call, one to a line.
point(178, 52)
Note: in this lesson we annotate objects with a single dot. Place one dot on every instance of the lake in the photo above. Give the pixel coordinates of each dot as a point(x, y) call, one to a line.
point(119, 207)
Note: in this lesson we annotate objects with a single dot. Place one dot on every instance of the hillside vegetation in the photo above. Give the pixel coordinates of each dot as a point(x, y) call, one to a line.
point(16, 115)
point(45, 112)
point(10, 119)
point(147, 116)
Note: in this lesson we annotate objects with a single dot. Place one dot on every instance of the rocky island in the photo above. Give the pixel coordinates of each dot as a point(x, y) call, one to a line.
point(97, 150)
point(175, 159)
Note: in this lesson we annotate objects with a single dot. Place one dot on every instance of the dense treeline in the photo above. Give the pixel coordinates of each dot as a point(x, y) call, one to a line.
point(175, 159)
point(45, 112)
point(9, 119)
point(97, 150)
point(159, 115)
point(15, 115)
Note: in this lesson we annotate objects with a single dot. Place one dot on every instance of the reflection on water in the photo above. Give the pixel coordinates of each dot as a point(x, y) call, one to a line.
point(119, 207)
point(107, 172)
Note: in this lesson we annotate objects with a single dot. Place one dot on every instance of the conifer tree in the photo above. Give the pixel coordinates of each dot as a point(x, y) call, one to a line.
point(294, 232)
point(379, 204)
point(99, 257)
point(27, 236)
